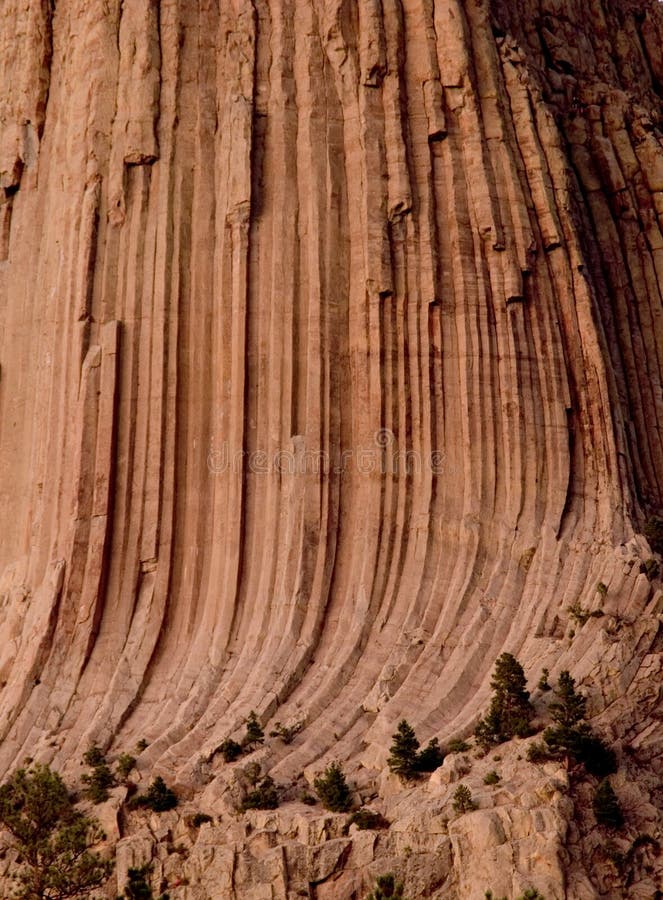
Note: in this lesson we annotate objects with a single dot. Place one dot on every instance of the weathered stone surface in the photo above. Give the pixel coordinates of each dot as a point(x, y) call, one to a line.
point(331, 353)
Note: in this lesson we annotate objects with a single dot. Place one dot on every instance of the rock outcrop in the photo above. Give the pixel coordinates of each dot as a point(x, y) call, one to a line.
point(331, 354)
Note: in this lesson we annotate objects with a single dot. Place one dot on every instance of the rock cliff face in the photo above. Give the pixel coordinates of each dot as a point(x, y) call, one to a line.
point(331, 347)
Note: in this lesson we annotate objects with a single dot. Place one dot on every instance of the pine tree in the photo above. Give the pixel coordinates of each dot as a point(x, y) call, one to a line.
point(158, 797)
point(254, 733)
point(571, 706)
point(125, 763)
point(137, 886)
point(98, 782)
point(333, 789)
point(571, 736)
point(403, 752)
point(387, 888)
point(230, 750)
point(52, 837)
point(430, 758)
point(463, 802)
point(263, 797)
point(607, 810)
point(510, 709)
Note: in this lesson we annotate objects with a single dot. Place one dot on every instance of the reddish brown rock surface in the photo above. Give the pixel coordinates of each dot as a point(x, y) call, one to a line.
point(331, 341)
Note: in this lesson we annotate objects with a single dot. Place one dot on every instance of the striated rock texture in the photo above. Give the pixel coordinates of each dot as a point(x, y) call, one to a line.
point(331, 344)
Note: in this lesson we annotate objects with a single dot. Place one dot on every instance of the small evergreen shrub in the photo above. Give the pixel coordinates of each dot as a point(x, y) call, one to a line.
point(254, 733)
point(491, 778)
point(367, 820)
point(543, 684)
point(141, 745)
point(230, 750)
point(458, 746)
point(125, 763)
point(579, 613)
point(307, 798)
point(607, 810)
point(387, 888)
point(537, 753)
point(263, 797)
point(462, 801)
point(333, 789)
point(98, 782)
point(159, 797)
point(252, 773)
point(137, 886)
point(287, 734)
point(602, 589)
point(94, 756)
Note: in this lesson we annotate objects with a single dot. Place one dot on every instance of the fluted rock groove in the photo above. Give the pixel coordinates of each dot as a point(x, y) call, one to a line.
point(331, 348)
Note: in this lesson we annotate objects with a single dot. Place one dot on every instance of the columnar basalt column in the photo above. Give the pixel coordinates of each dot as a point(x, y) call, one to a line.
point(331, 348)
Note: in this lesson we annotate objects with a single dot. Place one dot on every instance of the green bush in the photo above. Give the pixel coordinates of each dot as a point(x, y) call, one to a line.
point(537, 753)
point(263, 797)
point(387, 888)
point(252, 773)
point(230, 750)
point(137, 886)
point(98, 782)
point(458, 746)
point(287, 734)
point(491, 778)
point(125, 763)
point(367, 820)
point(94, 756)
point(543, 684)
point(607, 810)
point(579, 613)
point(307, 798)
point(52, 838)
point(158, 798)
point(510, 711)
point(333, 789)
point(462, 801)
point(254, 733)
